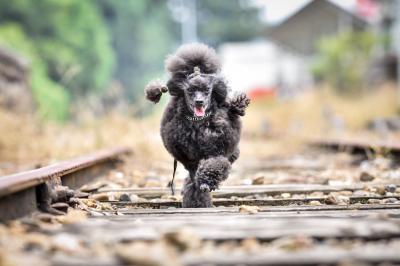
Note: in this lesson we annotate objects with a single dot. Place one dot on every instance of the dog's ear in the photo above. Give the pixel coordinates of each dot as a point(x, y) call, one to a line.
point(220, 89)
point(175, 87)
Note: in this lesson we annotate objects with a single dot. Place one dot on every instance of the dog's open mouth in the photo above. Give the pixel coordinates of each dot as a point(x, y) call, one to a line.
point(199, 111)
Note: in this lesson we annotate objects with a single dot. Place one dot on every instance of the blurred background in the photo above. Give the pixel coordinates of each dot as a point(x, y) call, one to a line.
point(72, 72)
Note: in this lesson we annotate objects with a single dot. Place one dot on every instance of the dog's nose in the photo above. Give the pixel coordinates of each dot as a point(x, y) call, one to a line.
point(199, 102)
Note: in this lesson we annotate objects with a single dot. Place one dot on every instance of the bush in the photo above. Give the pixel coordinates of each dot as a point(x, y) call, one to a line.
point(143, 32)
point(342, 61)
point(69, 46)
point(52, 99)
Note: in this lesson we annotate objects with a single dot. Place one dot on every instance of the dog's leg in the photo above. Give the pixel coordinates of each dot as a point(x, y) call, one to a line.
point(193, 197)
point(234, 156)
point(212, 172)
point(154, 90)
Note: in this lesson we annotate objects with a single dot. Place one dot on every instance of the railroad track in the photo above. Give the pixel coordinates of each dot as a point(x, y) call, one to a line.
point(360, 146)
point(23, 193)
point(353, 218)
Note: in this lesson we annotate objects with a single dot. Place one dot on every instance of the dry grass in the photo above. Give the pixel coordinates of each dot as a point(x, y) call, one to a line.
point(315, 112)
point(273, 127)
point(25, 141)
point(269, 128)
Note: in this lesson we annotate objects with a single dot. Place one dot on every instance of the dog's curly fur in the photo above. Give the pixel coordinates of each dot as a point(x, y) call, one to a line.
point(207, 147)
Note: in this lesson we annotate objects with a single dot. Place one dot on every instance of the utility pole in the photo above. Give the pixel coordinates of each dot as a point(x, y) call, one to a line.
point(397, 43)
point(188, 21)
point(185, 13)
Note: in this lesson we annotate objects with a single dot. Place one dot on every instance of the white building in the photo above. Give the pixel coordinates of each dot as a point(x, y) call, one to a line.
point(263, 65)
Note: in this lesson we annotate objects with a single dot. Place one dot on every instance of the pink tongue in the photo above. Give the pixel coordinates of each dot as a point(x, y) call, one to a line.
point(199, 111)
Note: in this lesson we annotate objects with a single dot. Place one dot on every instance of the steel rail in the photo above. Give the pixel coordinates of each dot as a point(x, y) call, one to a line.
point(18, 192)
point(359, 146)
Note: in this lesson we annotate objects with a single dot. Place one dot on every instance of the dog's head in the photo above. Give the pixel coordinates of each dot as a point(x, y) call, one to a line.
point(194, 70)
point(202, 92)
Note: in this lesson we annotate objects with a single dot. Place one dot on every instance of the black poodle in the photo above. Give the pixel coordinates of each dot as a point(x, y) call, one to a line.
point(201, 125)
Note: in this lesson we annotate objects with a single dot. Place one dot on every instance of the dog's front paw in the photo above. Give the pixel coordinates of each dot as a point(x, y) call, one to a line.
point(206, 185)
point(154, 90)
point(239, 104)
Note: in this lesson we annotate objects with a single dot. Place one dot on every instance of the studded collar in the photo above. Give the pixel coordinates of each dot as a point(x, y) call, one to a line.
point(196, 119)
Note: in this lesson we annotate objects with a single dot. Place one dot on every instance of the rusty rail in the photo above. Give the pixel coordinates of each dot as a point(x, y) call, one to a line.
point(359, 146)
point(19, 192)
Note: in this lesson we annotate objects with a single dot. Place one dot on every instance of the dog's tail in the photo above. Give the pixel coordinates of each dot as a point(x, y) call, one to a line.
point(154, 90)
point(191, 56)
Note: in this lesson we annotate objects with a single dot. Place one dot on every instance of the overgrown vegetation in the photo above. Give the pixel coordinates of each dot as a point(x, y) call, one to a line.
point(228, 21)
point(343, 60)
point(68, 44)
point(143, 32)
point(51, 98)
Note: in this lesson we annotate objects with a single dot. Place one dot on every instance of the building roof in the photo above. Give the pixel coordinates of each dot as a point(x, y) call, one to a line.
point(317, 19)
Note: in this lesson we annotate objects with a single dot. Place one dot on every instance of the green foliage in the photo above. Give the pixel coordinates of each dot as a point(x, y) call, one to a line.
point(228, 21)
point(71, 44)
point(52, 99)
point(342, 60)
point(143, 32)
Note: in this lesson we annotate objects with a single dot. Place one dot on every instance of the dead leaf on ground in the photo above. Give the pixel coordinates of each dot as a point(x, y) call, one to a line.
point(183, 239)
point(73, 216)
point(249, 209)
point(148, 254)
